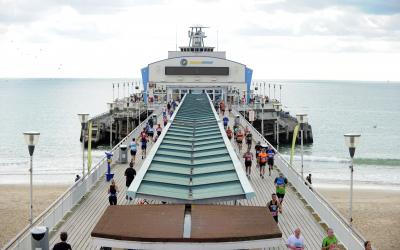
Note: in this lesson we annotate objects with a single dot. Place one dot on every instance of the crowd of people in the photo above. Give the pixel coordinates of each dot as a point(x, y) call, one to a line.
point(264, 155)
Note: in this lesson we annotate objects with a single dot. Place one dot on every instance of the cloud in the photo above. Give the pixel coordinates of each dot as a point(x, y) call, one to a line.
point(378, 7)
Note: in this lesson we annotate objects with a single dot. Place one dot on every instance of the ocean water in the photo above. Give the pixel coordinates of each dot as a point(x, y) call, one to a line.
point(50, 106)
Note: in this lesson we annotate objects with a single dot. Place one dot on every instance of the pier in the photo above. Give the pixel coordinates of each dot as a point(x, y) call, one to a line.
point(80, 208)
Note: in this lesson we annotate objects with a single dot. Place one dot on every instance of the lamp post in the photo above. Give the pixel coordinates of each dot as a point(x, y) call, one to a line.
point(269, 91)
point(110, 108)
point(302, 119)
point(280, 93)
point(31, 139)
point(274, 92)
point(278, 108)
point(113, 92)
point(83, 118)
point(262, 116)
point(351, 140)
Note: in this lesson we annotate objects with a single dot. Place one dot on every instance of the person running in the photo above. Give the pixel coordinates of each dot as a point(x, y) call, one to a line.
point(151, 122)
point(130, 174)
point(158, 129)
point(295, 241)
point(280, 186)
point(169, 106)
point(63, 245)
point(229, 133)
point(248, 158)
point(262, 162)
point(143, 141)
point(246, 131)
point(271, 154)
point(216, 106)
point(249, 139)
point(257, 148)
point(150, 132)
point(329, 242)
point(308, 179)
point(226, 121)
point(133, 147)
point(112, 193)
point(239, 139)
point(222, 107)
point(165, 120)
point(274, 207)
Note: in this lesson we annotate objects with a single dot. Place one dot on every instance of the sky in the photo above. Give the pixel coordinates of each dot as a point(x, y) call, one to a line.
point(278, 39)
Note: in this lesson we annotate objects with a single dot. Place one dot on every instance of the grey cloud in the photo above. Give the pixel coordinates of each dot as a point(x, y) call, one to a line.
point(378, 7)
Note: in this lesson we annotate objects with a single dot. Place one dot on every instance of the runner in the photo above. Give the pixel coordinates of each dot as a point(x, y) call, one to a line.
point(112, 193)
point(262, 161)
point(367, 245)
point(248, 158)
point(257, 148)
point(246, 131)
point(159, 130)
point(169, 106)
point(226, 121)
point(271, 154)
point(295, 241)
point(130, 174)
point(330, 242)
point(133, 147)
point(239, 139)
point(143, 140)
point(229, 133)
point(249, 139)
point(222, 107)
point(150, 132)
point(274, 207)
point(165, 120)
point(237, 120)
point(280, 185)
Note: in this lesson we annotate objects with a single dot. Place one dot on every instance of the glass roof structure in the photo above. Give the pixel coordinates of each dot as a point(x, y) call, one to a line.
point(193, 161)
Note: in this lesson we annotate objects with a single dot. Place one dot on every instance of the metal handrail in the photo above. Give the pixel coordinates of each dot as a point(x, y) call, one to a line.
point(59, 200)
point(343, 220)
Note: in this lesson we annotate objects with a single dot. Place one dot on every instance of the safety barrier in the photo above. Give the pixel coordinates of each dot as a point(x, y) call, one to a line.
point(347, 234)
point(65, 203)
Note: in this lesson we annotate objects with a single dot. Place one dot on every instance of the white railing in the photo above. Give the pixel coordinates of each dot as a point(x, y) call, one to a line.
point(63, 205)
point(347, 234)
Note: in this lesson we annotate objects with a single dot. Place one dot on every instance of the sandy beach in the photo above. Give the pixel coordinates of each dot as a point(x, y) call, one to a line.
point(14, 206)
point(376, 213)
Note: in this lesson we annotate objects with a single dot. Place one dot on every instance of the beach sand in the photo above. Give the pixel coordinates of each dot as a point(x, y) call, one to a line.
point(14, 206)
point(376, 213)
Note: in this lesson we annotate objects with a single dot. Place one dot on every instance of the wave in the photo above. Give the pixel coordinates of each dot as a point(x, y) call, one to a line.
point(358, 161)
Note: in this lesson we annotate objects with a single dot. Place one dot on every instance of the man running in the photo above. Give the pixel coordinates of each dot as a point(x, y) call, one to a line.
point(222, 107)
point(271, 154)
point(262, 161)
point(130, 174)
point(133, 147)
point(225, 120)
point(165, 120)
point(248, 158)
point(257, 148)
point(239, 139)
point(159, 130)
point(249, 139)
point(295, 241)
point(274, 207)
point(229, 133)
point(330, 242)
point(280, 185)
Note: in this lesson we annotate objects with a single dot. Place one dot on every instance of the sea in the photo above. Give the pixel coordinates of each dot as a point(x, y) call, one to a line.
point(50, 106)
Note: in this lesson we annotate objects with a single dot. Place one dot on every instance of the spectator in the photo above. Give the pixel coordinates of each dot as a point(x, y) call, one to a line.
point(63, 245)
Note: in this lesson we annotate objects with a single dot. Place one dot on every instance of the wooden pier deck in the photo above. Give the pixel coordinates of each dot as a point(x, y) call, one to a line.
point(81, 221)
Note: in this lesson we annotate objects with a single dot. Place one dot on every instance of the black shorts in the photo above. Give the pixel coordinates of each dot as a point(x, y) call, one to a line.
point(158, 133)
point(262, 164)
point(133, 152)
point(248, 142)
point(270, 161)
point(150, 134)
point(276, 218)
point(144, 146)
point(247, 163)
point(280, 196)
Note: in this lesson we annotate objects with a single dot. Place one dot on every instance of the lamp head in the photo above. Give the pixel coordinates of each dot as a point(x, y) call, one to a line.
point(83, 118)
point(302, 118)
point(31, 138)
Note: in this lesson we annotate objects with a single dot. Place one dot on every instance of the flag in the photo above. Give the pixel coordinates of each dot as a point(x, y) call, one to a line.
point(295, 132)
point(89, 164)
